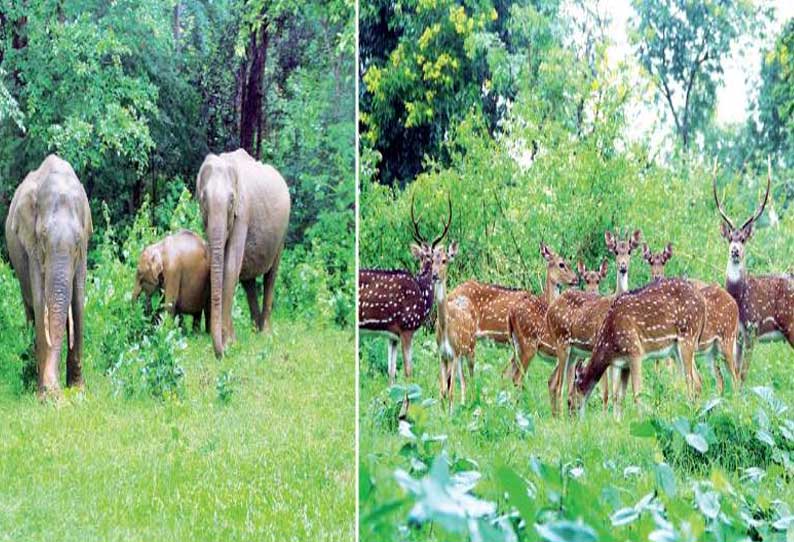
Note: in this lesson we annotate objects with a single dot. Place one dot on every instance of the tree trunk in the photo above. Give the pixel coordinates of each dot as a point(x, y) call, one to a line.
point(251, 103)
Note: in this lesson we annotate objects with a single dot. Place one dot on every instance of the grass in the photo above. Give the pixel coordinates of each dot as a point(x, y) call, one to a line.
point(503, 426)
point(273, 461)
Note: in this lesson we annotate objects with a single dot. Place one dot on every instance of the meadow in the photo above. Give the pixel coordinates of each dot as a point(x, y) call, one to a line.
point(167, 442)
point(501, 467)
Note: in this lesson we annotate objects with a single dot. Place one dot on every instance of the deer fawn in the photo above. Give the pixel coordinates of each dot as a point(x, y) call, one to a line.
point(455, 329)
point(766, 302)
point(721, 328)
point(395, 303)
point(662, 318)
point(526, 320)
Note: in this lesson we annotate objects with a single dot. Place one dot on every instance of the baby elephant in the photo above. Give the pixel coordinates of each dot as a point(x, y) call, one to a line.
point(180, 265)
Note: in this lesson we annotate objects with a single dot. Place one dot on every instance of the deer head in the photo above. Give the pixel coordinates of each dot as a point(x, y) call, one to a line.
point(592, 278)
point(558, 272)
point(423, 250)
point(737, 237)
point(432, 255)
point(622, 251)
point(657, 261)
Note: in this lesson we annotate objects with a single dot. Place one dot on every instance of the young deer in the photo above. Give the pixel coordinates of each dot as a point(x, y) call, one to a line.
point(766, 302)
point(622, 251)
point(721, 328)
point(592, 279)
point(395, 303)
point(455, 329)
point(526, 319)
point(663, 317)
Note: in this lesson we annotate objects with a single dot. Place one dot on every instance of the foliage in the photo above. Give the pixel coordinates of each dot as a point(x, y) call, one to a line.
point(683, 45)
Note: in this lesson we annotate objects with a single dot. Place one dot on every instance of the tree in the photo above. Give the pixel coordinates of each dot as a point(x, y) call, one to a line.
point(776, 98)
point(682, 45)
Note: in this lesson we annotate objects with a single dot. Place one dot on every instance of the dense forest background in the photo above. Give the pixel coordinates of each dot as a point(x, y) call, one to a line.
point(134, 94)
point(523, 113)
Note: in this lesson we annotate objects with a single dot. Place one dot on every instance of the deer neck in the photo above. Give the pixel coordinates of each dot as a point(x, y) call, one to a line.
point(735, 273)
point(622, 283)
point(441, 319)
point(551, 290)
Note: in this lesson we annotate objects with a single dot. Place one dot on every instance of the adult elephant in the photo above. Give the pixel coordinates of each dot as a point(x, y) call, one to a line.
point(245, 205)
point(47, 232)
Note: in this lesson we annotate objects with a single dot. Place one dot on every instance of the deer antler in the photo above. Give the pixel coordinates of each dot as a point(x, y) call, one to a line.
point(446, 226)
point(417, 235)
point(760, 210)
point(716, 199)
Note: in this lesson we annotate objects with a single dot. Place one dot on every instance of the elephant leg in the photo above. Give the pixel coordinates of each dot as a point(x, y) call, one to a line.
point(196, 321)
point(253, 303)
point(171, 293)
point(47, 374)
point(74, 359)
point(267, 294)
point(231, 275)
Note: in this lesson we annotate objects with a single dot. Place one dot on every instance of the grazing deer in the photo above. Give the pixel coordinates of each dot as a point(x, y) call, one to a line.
point(455, 329)
point(766, 302)
point(395, 303)
point(662, 318)
point(526, 317)
point(574, 319)
point(721, 328)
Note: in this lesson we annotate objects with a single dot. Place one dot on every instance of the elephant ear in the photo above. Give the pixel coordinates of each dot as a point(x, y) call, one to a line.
point(24, 220)
point(237, 193)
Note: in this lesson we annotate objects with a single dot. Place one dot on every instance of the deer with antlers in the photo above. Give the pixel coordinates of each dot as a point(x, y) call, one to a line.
point(662, 318)
point(766, 302)
point(721, 328)
point(526, 317)
point(395, 303)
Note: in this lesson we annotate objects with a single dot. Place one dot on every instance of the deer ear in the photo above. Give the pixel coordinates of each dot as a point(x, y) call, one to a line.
point(668, 252)
point(452, 251)
point(603, 270)
point(636, 237)
point(646, 252)
point(545, 251)
point(725, 231)
point(580, 267)
point(747, 231)
point(610, 240)
point(417, 251)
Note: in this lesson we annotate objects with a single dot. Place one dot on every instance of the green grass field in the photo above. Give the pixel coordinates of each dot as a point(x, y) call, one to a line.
point(274, 462)
point(583, 478)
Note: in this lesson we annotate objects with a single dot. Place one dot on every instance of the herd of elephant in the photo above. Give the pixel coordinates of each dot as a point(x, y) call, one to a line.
point(245, 206)
point(667, 318)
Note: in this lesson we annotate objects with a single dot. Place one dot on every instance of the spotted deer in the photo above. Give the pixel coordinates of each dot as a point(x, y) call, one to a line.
point(395, 303)
point(766, 302)
point(721, 328)
point(662, 318)
point(574, 319)
point(592, 278)
point(455, 329)
point(525, 320)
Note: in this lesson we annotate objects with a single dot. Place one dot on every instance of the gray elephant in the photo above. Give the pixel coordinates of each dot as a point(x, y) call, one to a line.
point(47, 232)
point(245, 205)
point(179, 265)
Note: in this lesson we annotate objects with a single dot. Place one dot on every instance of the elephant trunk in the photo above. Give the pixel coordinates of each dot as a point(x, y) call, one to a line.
point(58, 306)
point(217, 242)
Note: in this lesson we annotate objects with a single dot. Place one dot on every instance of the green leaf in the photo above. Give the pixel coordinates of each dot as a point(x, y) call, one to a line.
point(665, 479)
point(566, 531)
point(642, 429)
point(697, 442)
point(517, 496)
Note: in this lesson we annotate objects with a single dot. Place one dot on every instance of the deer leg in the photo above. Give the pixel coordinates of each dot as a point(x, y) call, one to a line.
point(406, 339)
point(392, 361)
point(462, 378)
point(605, 389)
point(524, 354)
point(745, 353)
point(686, 352)
point(621, 378)
point(555, 384)
point(711, 358)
